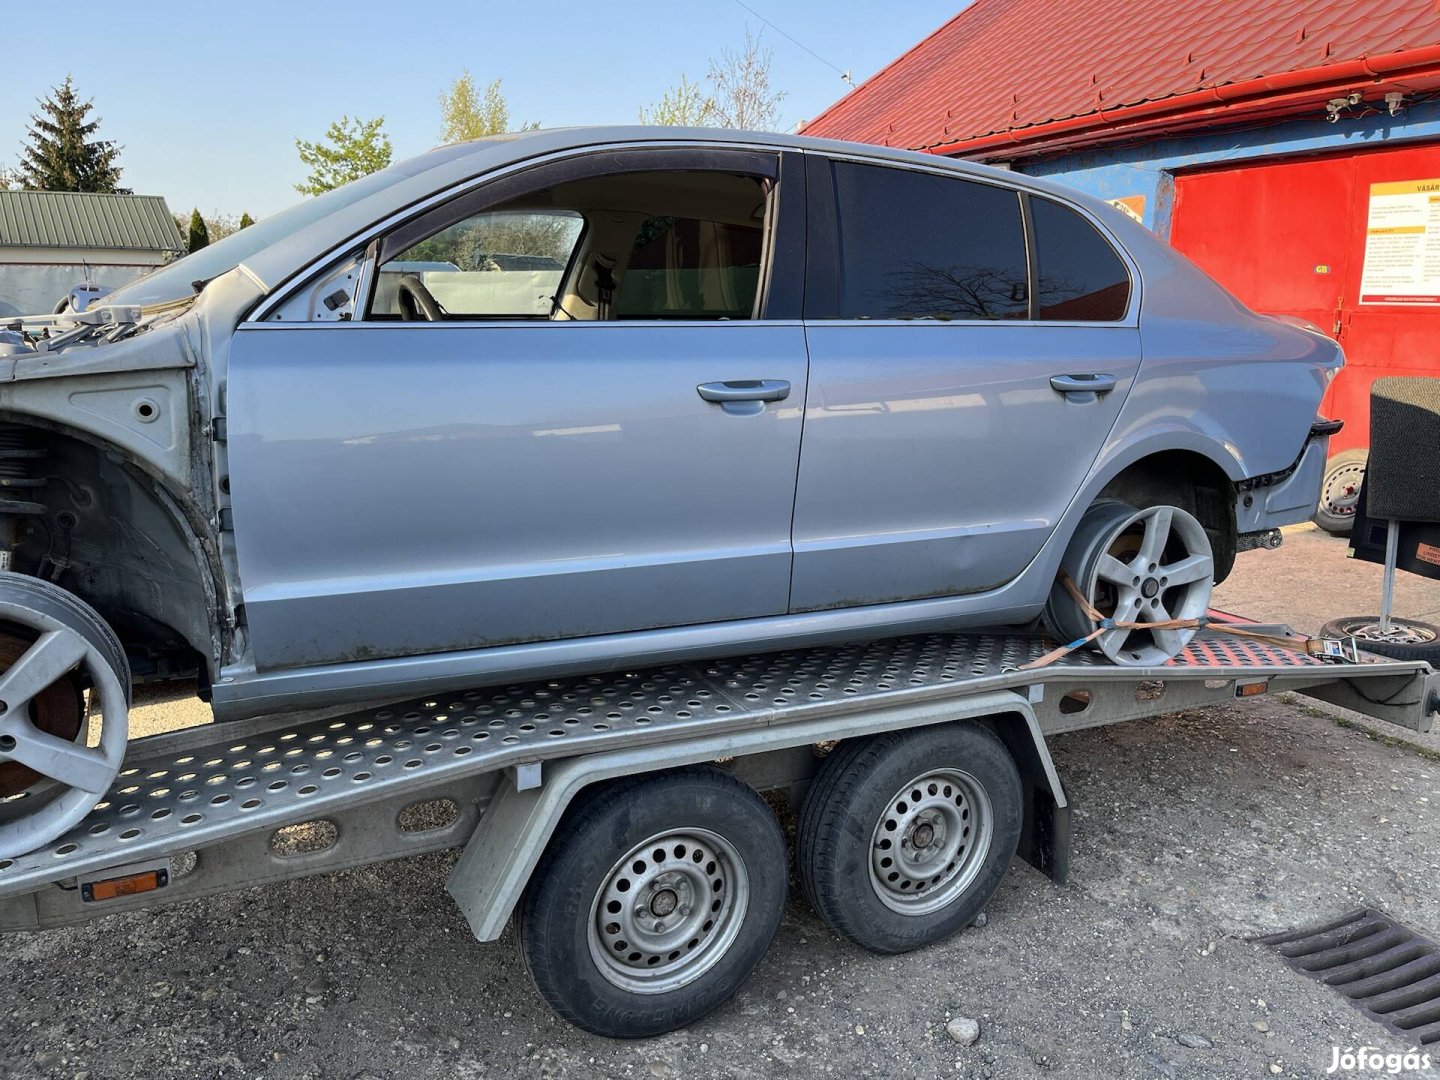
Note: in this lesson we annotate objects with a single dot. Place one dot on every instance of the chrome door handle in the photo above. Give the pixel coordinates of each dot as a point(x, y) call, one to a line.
point(1087, 386)
point(745, 390)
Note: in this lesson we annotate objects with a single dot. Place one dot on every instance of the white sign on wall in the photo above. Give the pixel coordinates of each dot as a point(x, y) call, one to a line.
point(1402, 244)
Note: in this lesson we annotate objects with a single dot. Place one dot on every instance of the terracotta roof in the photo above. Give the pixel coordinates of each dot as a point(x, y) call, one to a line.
point(1004, 72)
point(85, 220)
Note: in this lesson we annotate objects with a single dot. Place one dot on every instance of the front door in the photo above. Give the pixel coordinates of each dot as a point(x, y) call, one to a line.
point(958, 397)
point(408, 484)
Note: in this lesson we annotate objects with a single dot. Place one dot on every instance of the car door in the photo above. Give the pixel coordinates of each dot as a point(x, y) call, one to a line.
point(970, 348)
point(407, 487)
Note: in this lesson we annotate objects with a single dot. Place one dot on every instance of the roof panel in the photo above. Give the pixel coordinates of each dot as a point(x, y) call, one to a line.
point(1002, 65)
point(86, 220)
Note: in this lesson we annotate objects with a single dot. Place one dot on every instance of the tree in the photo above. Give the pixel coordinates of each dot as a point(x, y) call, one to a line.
point(738, 96)
point(197, 236)
point(353, 148)
point(245, 221)
point(467, 114)
point(742, 95)
point(8, 179)
point(683, 105)
point(61, 155)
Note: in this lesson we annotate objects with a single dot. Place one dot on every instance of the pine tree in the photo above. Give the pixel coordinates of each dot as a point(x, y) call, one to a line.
point(246, 220)
point(61, 156)
point(199, 235)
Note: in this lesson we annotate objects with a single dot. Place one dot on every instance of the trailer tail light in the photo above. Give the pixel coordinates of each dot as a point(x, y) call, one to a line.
point(131, 884)
point(1251, 689)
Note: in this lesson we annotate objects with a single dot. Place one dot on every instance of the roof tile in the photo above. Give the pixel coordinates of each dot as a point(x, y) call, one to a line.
point(1004, 65)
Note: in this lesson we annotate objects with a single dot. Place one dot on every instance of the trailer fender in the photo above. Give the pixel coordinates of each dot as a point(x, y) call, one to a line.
point(495, 867)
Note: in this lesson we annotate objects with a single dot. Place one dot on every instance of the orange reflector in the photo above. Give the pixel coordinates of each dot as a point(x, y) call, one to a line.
point(129, 885)
point(1251, 689)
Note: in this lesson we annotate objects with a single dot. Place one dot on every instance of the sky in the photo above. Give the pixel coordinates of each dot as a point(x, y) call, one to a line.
point(208, 99)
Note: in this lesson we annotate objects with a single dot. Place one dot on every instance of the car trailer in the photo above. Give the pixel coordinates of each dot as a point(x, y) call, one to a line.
point(618, 818)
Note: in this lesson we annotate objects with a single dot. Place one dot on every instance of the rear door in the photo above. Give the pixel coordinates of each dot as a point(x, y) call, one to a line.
point(405, 487)
point(956, 331)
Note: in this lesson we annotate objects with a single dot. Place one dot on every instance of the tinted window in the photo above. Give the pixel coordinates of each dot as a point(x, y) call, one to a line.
point(918, 246)
point(1079, 277)
point(685, 268)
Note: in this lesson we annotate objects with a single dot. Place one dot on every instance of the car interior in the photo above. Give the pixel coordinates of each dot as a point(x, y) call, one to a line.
point(647, 245)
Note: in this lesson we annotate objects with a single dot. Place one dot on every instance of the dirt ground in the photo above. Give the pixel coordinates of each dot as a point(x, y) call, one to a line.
point(1194, 831)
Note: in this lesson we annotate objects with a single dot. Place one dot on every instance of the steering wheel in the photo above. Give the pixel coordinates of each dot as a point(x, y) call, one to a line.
point(416, 301)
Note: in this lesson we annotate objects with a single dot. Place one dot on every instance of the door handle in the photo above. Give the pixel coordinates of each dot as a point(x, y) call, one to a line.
point(744, 397)
point(1087, 386)
point(745, 390)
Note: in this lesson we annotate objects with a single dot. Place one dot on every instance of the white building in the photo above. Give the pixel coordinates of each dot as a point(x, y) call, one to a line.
point(51, 241)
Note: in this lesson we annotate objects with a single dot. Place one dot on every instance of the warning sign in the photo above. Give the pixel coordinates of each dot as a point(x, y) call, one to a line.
point(1402, 244)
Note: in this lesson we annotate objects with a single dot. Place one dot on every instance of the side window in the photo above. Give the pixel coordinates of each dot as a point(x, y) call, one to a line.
point(915, 245)
point(499, 264)
point(1078, 278)
point(687, 268)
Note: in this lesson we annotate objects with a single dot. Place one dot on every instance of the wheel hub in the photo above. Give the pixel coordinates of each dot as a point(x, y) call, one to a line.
point(668, 910)
point(930, 841)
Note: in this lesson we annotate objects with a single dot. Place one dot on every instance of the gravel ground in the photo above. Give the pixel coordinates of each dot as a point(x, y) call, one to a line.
point(1193, 832)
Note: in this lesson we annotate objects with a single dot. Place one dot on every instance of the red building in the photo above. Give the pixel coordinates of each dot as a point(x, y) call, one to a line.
point(1290, 147)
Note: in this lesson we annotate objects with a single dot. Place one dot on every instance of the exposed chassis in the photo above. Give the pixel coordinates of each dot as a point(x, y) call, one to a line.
point(219, 807)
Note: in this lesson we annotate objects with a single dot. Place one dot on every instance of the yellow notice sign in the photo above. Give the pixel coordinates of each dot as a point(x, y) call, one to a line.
point(1402, 244)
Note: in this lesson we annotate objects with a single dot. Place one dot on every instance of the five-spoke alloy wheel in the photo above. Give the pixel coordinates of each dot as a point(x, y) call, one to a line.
point(54, 765)
point(1151, 567)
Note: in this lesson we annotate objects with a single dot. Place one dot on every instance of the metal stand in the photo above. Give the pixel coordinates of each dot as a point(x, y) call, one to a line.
point(1387, 589)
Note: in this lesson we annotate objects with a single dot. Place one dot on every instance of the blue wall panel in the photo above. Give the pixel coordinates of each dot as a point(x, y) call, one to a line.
point(1148, 168)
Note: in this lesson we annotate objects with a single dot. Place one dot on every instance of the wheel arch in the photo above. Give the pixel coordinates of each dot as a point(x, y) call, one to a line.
point(116, 534)
point(1194, 478)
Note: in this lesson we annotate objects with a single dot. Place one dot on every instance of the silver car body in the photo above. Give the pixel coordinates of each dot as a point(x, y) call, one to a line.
point(337, 509)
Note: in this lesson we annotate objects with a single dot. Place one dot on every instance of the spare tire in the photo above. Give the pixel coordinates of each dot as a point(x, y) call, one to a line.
point(1340, 491)
point(1408, 639)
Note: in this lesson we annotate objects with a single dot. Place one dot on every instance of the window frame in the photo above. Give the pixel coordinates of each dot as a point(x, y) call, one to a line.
point(824, 272)
point(784, 220)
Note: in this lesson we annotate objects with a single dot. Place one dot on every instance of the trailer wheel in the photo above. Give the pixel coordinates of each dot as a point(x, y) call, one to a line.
point(903, 837)
point(655, 902)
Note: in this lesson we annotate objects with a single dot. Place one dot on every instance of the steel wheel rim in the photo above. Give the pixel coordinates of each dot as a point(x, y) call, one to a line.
point(668, 911)
point(1348, 478)
point(1143, 566)
point(931, 841)
point(1400, 633)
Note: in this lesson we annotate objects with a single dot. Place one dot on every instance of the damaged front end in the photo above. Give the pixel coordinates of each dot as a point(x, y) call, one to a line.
point(106, 485)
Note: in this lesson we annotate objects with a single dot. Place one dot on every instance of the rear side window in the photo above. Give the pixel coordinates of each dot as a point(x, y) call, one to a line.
point(918, 246)
point(1079, 278)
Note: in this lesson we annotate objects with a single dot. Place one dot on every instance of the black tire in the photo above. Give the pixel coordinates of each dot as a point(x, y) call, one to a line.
point(558, 914)
point(842, 815)
point(1427, 647)
point(1336, 511)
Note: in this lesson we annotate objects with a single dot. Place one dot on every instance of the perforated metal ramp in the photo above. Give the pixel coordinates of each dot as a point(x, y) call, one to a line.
point(221, 784)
